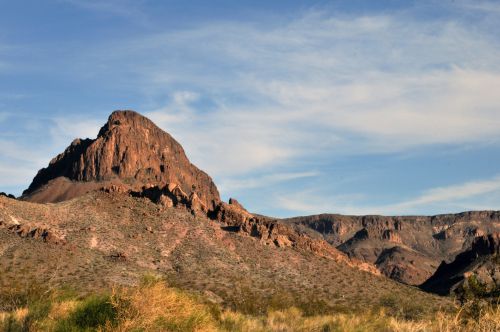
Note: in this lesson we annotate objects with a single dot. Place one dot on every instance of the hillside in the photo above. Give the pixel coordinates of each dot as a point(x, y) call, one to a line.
point(103, 239)
point(108, 211)
point(481, 262)
point(407, 249)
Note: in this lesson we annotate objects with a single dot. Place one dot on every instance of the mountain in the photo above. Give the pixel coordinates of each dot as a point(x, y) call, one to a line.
point(481, 260)
point(407, 249)
point(130, 202)
point(129, 153)
point(106, 239)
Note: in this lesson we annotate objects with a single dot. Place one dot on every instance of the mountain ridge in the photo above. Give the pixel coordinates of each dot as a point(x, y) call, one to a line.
point(132, 157)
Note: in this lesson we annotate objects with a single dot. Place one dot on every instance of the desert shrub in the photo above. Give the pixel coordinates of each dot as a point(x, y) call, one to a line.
point(21, 295)
point(317, 307)
point(37, 311)
point(148, 280)
point(402, 307)
point(10, 324)
point(473, 288)
point(155, 307)
point(95, 311)
point(251, 302)
point(476, 298)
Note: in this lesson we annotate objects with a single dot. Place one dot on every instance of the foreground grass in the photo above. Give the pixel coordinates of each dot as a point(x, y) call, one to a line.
point(153, 306)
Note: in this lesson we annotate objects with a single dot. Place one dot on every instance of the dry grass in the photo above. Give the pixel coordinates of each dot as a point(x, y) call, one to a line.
point(155, 307)
point(293, 320)
point(61, 310)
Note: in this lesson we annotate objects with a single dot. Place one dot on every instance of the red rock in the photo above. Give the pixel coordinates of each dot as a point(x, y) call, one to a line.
point(131, 151)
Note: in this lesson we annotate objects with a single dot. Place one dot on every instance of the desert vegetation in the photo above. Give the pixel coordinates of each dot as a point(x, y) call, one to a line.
point(155, 306)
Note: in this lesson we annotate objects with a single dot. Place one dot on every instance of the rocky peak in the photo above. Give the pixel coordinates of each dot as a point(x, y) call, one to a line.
point(131, 150)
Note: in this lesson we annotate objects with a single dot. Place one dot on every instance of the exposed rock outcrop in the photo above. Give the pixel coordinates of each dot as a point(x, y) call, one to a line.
point(36, 232)
point(132, 156)
point(273, 232)
point(7, 195)
point(481, 260)
point(130, 151)
point(407, 249)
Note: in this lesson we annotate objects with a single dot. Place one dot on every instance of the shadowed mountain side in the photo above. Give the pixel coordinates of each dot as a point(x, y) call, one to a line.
point(482, 260)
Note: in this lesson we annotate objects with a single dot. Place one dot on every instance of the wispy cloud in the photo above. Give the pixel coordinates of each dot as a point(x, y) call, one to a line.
point(13, 175)
point(452, 193)
point(22, 157)
point(128, 9)
point(319, 84)
point(252, 182)
point(246, 98)
point(4, 116)
point(66, 129)
point(483, 6)
point(456, 197)
point(228, 141)
point(309, 201)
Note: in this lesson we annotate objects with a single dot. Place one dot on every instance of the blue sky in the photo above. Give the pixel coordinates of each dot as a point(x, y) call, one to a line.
point(293, 107)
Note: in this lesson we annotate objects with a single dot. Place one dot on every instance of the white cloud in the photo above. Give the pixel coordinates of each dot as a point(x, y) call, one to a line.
point(13, 175)
point(123, 8)
point(309, 201)
point(445, 199)
point(21, 158)
point(64, 130)
point(4, 116)
point(319, 84)
point(250, 182)
point(248, 97)
point(452, 193)
point(229, 141)
point(14, 151)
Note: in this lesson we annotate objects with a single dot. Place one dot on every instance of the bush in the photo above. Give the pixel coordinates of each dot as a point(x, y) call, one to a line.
point(22, 295)
point(37, 311)
point(403, 308)
point(95, 311)
point(10, 324)
point(153, 306)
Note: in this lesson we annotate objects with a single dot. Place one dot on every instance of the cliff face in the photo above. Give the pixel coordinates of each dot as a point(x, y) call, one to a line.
point(408, 249)
point(130, 150)
point(480, 260)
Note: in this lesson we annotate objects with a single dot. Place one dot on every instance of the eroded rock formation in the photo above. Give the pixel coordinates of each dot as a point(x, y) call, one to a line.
point(130, 151)
point(481, 260)
point(408, 249)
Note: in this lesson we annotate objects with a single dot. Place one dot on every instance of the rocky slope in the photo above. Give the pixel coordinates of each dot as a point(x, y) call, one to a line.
point(408, 249)
point(481, 260)
point(103, 239)
point(132, 156)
